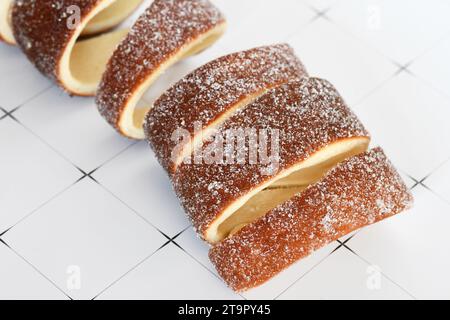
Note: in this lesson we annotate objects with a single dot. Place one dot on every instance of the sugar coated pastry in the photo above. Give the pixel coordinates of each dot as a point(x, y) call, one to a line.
point(360, 191)
point(208, 96)
point(166, 33)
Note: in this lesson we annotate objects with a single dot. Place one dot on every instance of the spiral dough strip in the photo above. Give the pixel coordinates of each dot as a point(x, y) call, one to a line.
point(259, 217)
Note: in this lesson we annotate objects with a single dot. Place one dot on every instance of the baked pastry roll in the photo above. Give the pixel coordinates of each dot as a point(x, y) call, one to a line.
point(316, 131)
point(204, 99)
point(167, 32)
point(360, 191)
point(49, 31)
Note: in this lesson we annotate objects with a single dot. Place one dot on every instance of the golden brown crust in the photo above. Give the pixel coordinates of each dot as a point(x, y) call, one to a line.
point(310, 115)
point(40, 28)
point(47, 31)
point(158, 35)
point(211, 91)
point(360, 191)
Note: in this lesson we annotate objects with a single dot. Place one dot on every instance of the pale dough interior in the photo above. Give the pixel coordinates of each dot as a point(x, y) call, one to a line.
point(5, 21)
point(111, 16)
point(89, 57)
point(282, 188)
point(84, 61)
point(132, 119)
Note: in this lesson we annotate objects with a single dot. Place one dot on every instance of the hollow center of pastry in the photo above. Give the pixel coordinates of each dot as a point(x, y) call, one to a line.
point(282, 188)
point(110, 17)
point(89, 57)
point(84, 61)
point(5, 21)
point(132, 120)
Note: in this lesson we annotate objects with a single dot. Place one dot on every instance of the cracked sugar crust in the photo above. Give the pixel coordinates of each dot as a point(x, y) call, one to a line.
point(214, 89)
point(309, 114)
point(40, 28)
point(360, 191)
point(156, 37)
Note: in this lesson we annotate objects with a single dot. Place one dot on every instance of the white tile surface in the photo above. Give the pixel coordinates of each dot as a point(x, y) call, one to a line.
point(408, 180)
point(343, 275)
point(321, 5)
point(410, 120)
point(73, 127)
point(169, 274)
point(411, 248)
point(439, 181)
point(280, 283)
point(402, 30)
point(19, 81)
point(352, 66)
point(433, 66)
point(31, 173)
point(136, 178)
point(196, 247)
point(89, 229)
point(106, 228)
point(272, 22)
point(18, 280)
point(199, 250)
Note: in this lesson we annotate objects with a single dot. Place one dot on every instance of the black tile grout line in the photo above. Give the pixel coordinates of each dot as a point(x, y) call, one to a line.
point(404, 68)
point(39, 207)
point(21, 105)
point(38, 94)
point(135, 212)
point(432, 172)
point(319, 14)
point(300, 28)
point(3, 113)
point(125, 274)
point(10, 113)
point(411, 60)
point(57, 152)
point(345, 31)
point(432, 47)
point(359, 39)
point(382, 273)
point(430, 85)
point(4, 232)
point(199, 262)
point(35, 269)
point(55, 196)
point(401, 67)
point(371, 92)
point(446, 201)
point(84, 174)
point(170, 240)
point(118, 154)
point(90, 174)
point(309, 271)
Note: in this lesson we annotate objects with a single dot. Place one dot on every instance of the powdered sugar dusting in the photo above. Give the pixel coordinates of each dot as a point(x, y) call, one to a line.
point(159, 34)
point(212, 90)
point(310, 115)
point(40, 28)
point(360, 191)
